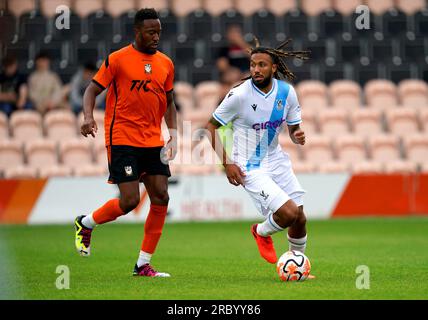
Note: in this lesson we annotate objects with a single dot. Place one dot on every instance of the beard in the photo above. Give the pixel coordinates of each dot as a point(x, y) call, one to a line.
point(264, 83)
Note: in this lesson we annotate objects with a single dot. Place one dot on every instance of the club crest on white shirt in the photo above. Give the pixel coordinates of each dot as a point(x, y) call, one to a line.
point(148, 68)
point(279, 105)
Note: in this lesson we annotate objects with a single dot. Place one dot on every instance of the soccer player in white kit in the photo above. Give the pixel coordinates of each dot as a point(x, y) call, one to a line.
point(258, 109)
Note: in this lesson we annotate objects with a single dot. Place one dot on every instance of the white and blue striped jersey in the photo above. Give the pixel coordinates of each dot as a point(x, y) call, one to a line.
point(257, 118)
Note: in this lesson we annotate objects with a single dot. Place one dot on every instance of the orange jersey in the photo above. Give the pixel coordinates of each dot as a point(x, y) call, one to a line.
point(136, 99)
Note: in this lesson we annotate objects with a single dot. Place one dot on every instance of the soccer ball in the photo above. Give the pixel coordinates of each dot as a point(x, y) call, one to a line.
point(293, 266)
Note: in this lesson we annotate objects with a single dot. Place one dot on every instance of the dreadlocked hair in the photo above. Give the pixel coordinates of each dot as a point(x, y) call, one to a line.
point(278, 56)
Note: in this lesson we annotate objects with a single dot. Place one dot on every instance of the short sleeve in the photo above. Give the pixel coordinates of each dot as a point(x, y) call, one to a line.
point(228, 108)
point(105, 74)
point(169, 83)
point(294, 114)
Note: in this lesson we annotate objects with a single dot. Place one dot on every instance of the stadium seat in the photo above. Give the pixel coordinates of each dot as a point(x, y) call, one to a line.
point(333, 167)
point(20, 172)
point(382, 50)
point(384, 148)
point(410, 7)
point(227, 18)
point(26, 125)
point(207, 94)
point(41, 153)
point(379, 7)
point(73, 33)
point(424, 167)
point(421, 22)
point(333, 122)
point(89, 51)
point(158, 5)
point(100, 152)
point(366, 121)
point(411, 49)
point(315, 7)
point(281, 7)
point(402, 121)
point(17, 8)
point(32, 26)
point(91, 170)
point(304, 167)
point(400, 167)
point(11, 153)
point(318, 149)
point(4, 127)
point(310, 121)
point(60, 124)
point(198, 24)
point(364, 72)
point(346, 8)
point(184, 94)
point(345, 94)
point(423, 118)
point(100, 26)
point(55, 171)
point(84, 8)
point(8, 26)
point(263, 25)
point(367, 167)
point(416, 147)
point(381, 94)
point(312, 94)
point(350, 148)
point(182, 8)
point(75, 152)
point(413, 93)
point(288, 146)
point(217, 7)
point(116, 8)
point(248, 8)
point(48, 7)
point(331, 23)
point(398, 70)
point(349, 49)
point(394, 23)
point(295, 24)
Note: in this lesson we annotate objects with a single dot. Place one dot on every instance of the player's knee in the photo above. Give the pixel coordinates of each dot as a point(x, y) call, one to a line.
point(129, 203)
point(301, 218)
point(291, 212)
point(161, 197)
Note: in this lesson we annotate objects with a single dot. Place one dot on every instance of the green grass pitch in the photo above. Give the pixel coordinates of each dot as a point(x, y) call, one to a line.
point(217, 261)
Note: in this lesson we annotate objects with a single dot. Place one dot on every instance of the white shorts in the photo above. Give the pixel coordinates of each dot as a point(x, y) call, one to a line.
point(271, 186)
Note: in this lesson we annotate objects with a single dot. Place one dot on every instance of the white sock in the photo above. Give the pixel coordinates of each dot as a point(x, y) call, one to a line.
point(268, 227)
point(143, 258)
point(297, 244)
point(89, 221)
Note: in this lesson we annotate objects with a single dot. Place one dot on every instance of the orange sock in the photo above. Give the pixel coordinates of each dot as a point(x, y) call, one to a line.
point(153, 227)
point(108, 212)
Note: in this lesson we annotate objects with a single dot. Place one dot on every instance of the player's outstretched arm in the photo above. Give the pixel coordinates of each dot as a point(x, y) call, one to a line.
point(297, 135)
point(89, 125)
point(233, 172)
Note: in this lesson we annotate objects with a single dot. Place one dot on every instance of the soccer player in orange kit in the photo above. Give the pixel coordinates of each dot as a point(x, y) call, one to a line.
point(140, 80)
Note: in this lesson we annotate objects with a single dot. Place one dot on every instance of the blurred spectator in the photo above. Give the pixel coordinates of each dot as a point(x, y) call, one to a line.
point(13, 87)
point(234, 55)
point(78, 85)
point(45, 87)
